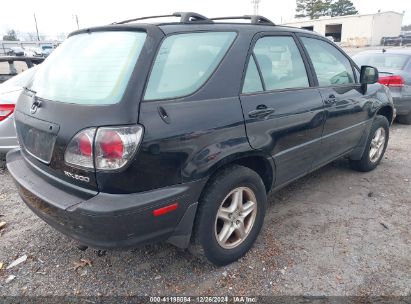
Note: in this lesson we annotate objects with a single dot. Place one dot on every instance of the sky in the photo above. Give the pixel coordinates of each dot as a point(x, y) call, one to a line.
point(56, 17)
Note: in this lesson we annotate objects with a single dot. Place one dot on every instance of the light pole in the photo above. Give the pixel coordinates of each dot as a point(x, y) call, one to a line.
point(255, 3)
point(76, 17)
point(37, 29)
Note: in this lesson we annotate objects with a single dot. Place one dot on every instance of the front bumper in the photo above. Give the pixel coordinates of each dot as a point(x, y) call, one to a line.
point(105, 220)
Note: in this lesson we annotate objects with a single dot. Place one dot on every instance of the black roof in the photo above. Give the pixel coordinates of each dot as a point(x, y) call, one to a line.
point(190, 21)
point(169, 28)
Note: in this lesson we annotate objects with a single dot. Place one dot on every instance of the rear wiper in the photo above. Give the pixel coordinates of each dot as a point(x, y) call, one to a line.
point(30, 90)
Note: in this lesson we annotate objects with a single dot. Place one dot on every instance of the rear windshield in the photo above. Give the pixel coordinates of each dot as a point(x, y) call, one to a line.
point(382, 61)
point(91, 68)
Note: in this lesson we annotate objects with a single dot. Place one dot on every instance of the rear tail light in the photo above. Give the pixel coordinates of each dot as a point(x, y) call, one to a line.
point(103, 148)
point(6, 111)
point(116, 146)
point(79, 152)
point(392, 81)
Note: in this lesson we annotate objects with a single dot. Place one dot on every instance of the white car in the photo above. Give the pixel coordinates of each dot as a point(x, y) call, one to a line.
point(10, 91)
point(33, 52)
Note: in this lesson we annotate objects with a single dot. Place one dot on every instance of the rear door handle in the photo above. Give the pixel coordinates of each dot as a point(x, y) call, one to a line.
point(261, 112)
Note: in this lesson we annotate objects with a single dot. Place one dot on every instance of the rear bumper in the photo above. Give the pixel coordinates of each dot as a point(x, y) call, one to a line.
point(403, 105)
point(107, 220)
point(7, 144)
point(8, 138)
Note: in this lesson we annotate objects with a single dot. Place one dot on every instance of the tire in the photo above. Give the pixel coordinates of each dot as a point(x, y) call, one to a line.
point(404, 119)
point(221, 192)
point(369, 160)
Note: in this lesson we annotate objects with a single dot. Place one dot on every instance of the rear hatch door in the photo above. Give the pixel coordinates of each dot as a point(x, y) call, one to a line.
point(95, 78)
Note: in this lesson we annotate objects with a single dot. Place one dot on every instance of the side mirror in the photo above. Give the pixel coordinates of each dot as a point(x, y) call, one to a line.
point(369, 75)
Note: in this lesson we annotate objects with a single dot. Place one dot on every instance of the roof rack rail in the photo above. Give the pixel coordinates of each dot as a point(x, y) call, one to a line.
point(185, 17)
point(255, 19)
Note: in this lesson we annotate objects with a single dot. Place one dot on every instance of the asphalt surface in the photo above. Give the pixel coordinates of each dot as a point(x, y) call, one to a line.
point(334, 232)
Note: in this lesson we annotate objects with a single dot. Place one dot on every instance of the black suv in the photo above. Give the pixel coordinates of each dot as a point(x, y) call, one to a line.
point(133, 133)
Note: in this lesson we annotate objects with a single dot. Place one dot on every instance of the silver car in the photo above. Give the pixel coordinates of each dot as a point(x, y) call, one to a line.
point(10, 91)
point(394, 67)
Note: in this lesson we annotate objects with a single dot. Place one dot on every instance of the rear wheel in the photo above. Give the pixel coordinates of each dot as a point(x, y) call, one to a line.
point(230, 216)
point(376, 146)
point(404, 119)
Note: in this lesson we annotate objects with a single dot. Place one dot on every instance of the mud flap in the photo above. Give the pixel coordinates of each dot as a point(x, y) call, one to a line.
point(182, 234)
point(358, 151)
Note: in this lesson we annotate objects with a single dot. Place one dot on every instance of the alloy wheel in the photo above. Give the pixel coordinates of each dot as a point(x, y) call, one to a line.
point(377, 145)
point(235, 217)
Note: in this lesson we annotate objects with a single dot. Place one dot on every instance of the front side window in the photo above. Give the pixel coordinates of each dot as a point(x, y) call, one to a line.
point(280, 63)
point(91, 68)
point(185, 62)
point(330, 65)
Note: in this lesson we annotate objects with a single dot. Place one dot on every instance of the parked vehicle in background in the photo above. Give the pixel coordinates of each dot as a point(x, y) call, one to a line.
point(406, 40)
point(33, 52)
point(10, 66)
point(401, 40)
point(394, 66)
point(177, 131)
point(10, 91)
point(15, 51)
point(46, 50)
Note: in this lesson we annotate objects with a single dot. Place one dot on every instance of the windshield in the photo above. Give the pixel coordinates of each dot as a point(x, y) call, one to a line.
point(382, 61)
point(90, 68)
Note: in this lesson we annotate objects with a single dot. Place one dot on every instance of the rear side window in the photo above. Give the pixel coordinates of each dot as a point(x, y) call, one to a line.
point(92, 68)
point(252, 81)
point(280, 63)
point(185, 62)
point(330, 65)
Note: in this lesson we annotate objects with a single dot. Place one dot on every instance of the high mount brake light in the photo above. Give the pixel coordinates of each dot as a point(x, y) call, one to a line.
point(107, 148)
point(6, 110)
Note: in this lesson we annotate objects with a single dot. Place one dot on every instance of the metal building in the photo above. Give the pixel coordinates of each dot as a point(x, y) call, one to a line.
point(356, 30)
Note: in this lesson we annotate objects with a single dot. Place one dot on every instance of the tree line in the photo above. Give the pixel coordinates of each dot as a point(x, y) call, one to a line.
point(13, 35)
point(317, 8)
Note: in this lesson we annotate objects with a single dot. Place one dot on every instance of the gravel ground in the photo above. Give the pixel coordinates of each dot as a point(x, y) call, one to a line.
point(334, 232)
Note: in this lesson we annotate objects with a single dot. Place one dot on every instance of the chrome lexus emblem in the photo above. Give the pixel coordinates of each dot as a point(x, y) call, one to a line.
point(35, 105)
